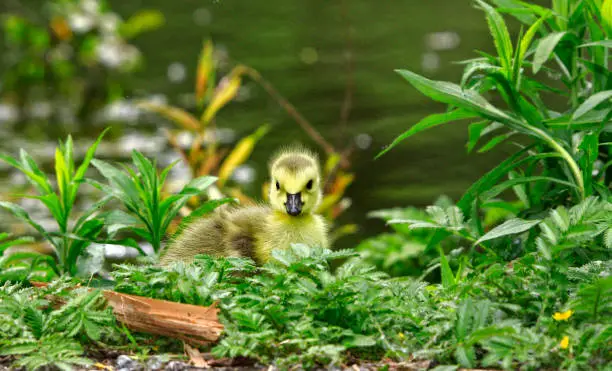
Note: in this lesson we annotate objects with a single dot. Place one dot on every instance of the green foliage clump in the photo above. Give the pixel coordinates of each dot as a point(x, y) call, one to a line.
point(568, 153)
point(75, 52)
point(141, 193)
point(71, 239)
point(140, 190)
point(43, 332)
point(297, 310)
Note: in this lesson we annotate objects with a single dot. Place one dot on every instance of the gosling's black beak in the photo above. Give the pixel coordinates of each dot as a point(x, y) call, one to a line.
point(294, 204)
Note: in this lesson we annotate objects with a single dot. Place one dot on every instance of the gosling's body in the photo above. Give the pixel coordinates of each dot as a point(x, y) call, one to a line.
point(255, 231)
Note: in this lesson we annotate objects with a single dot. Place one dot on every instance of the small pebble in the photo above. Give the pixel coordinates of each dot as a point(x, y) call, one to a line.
point(125, 363)
point(154, 363)
point(176, 366)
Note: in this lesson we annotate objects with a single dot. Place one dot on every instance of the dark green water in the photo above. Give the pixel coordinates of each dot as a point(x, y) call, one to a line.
point(272, 35)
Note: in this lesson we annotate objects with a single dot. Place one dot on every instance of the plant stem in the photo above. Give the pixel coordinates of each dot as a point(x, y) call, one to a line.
point(566, 156)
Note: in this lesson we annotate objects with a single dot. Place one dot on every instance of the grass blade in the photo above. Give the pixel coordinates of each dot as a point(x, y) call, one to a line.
point(428, 123)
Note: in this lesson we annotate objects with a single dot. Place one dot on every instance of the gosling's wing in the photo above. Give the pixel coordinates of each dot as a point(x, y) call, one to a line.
point(247, 227)
point(203, 236)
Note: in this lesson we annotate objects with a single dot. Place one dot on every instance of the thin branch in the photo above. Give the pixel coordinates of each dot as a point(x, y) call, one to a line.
point(291, 110)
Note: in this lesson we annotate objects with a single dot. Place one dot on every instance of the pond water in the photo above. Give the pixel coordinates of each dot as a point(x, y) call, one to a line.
point(301, 48)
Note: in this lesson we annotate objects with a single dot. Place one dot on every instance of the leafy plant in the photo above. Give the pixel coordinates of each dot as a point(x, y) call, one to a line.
point(40, 335)
point(564, 159)
point(297, 310)
point(39, 62)
point(141, 192)
point(22, 268)
point(71, 240)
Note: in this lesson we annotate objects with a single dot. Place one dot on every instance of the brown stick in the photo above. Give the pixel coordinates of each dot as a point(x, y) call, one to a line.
point(191, 323)
point(291, 110)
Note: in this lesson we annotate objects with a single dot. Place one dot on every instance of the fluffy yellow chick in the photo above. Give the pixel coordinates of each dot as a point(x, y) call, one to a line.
point(254, 231)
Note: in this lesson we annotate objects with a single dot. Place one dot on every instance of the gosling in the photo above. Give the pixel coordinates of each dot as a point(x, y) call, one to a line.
point(254, 231)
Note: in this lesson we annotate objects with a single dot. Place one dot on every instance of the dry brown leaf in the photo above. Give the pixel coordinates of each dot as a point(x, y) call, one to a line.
point(195, 357)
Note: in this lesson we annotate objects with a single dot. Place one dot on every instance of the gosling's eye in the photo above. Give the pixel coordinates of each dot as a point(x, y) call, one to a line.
point(309, 185)
point(277, 186)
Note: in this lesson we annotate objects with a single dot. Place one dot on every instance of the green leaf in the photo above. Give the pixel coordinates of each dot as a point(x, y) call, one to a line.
point(35, 257)
point(20, 348)
point(448, 279)
point(122, 186)
point(545, 48)
point(453, 94)
point(474, 133)
point(141, 22)
point(427, 123)
point(528, 37)
point(170, 207)
point(464, 356)
point(357, 341)
point(490, 179)
point(501, 36)
point(464, 316)
point(605, 43)
point(494, 142)
point(510, 227)
point(20, 213)
point(488, 332)
point(591, 103)
point(117, 220)
point(80, 173)
point(198, 185)
point(39, 181)
point(16, 242)
point(496, 190)
point(475, 67)
point(590, 120)
point(90, 211)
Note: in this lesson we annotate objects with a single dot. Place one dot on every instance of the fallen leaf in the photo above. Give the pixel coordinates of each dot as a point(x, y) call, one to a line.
point(195, 357)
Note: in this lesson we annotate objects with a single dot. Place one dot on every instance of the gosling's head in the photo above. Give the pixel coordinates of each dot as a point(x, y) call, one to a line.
point(295, 184)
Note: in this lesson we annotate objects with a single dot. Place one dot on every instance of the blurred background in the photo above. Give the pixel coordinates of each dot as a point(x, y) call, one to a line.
point(79, 66)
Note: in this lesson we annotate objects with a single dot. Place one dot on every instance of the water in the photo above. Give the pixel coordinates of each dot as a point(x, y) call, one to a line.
point(301, 47)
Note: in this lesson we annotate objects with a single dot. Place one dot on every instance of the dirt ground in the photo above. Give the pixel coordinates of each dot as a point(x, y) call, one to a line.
point(126, 363)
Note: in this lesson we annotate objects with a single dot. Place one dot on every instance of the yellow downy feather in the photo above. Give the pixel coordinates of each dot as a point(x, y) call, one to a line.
point(254, 231)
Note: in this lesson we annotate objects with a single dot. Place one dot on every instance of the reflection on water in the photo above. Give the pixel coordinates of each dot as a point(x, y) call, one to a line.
point(302, 48)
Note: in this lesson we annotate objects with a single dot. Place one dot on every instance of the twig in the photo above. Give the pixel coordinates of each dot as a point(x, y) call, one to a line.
point(291, 110)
